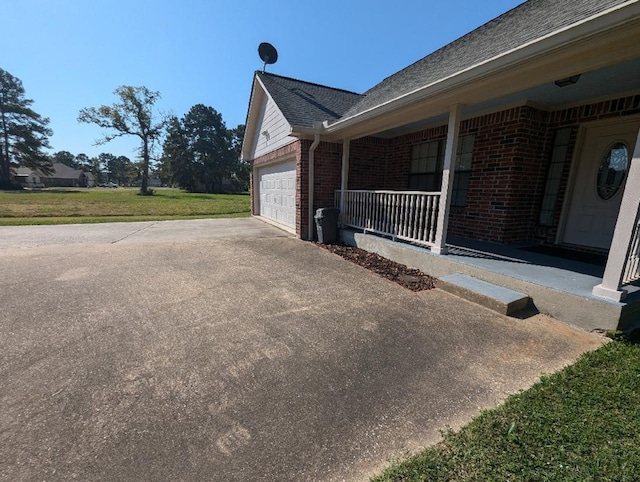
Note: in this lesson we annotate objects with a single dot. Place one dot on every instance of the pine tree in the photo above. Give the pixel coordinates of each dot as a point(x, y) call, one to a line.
point(24, 132)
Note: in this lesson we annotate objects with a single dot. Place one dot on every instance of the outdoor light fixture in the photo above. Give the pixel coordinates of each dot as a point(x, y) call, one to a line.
point(567, 81)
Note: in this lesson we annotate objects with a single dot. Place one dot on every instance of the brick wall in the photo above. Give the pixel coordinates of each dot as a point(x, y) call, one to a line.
point(508, 174)
point(326, 180)
point(368, 163)
point(511, 156)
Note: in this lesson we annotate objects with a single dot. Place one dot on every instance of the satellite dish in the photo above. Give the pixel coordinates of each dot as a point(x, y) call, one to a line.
point(268, 54)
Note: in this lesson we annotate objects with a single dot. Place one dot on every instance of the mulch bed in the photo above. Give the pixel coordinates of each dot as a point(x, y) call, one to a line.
point(410, 278)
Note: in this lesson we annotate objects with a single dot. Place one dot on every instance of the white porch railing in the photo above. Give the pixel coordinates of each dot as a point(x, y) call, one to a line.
point(632, 265)
point(407, 215)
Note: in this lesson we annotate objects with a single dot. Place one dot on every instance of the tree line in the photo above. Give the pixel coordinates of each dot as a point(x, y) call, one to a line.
point(105, 167)
point(196, 152)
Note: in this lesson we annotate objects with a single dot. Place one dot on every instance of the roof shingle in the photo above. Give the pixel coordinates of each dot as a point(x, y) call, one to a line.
point(527, 22)
point(303, 103)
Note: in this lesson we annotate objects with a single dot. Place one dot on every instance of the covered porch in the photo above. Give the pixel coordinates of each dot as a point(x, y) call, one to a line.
point(601, 290)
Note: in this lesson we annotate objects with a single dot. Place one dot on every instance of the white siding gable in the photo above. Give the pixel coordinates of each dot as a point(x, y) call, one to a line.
point(272, 129)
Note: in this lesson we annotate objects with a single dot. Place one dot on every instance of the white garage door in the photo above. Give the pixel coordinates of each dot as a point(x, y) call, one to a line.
point(278, 193)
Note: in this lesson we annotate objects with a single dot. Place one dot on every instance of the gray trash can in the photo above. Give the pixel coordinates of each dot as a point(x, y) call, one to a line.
point(327, 225)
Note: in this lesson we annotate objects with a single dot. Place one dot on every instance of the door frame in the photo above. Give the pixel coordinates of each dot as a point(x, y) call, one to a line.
point(575, 165)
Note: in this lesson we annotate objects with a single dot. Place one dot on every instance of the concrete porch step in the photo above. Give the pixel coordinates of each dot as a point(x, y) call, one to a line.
point(496, 298)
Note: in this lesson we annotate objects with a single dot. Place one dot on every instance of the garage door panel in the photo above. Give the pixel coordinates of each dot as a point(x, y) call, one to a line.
point(277, 186)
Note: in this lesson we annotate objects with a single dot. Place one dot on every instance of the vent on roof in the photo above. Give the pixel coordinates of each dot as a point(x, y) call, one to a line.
point(268, 54)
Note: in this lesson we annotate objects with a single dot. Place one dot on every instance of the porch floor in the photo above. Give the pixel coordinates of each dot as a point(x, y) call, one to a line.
point(558, 286)
point(553, 272)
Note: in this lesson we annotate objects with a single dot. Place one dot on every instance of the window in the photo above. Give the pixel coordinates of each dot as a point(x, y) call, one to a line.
point(426, 166)
point(427, 160)
point(554, 176)
point(613, 169)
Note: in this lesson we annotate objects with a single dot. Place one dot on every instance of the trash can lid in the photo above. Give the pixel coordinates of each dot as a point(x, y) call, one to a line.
point(324, 211)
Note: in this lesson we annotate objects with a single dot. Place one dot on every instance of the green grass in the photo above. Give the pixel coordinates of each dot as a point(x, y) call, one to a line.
point(580, 424)
point(99, 205)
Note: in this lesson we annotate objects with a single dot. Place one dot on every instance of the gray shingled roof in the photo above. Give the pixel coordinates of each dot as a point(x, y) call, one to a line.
point(529, 21)
point(302, 103)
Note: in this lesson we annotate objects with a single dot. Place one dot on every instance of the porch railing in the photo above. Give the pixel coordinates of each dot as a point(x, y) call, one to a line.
point(632, 265)
point(407, 215)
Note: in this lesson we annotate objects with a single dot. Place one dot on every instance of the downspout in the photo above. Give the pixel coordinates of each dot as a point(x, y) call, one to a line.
point(316, 141)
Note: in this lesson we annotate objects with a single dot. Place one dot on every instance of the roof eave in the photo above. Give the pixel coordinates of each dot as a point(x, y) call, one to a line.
point(565, 38)
point(250, 120)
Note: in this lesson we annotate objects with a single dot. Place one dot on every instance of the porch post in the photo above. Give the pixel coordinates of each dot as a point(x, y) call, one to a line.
point(440, 246)
point(610, 288)
point(344, 180)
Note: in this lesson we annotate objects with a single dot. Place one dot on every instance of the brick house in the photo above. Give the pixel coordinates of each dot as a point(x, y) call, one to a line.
point(520, 134)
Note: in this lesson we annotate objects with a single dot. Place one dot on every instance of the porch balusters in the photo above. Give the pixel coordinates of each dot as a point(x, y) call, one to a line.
point(406, 215)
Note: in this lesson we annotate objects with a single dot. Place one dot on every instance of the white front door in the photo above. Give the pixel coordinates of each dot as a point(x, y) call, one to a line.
point(277, 193)
point(599, 183)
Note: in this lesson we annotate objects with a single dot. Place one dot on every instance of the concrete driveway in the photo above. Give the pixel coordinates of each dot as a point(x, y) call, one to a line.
point(228, 350)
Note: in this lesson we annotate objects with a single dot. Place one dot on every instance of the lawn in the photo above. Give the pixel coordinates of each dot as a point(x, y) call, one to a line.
point(98, 205)
point(580, 424)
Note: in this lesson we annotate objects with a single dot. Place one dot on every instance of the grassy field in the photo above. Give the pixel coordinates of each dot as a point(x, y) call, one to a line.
point(99, 205)
point(581, 424)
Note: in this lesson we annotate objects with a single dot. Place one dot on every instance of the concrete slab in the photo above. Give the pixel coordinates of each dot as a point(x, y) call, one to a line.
point(142, 232)
point(540, 282)
point(239, 358)
point(496, 298)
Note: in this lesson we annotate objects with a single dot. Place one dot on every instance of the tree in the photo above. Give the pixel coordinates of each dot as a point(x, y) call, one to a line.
point(84, 162)
point(119, 167)
point(241, 171)
point(104, 160)
point(199, 150)
point(66, 158)
point(133, 115)
point(176, 158)
point(24, 132)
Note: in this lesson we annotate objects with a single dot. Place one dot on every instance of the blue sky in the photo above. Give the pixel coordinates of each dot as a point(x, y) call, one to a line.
point(71, 54)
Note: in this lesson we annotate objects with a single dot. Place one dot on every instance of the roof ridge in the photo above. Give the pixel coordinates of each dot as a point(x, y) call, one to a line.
point(259, 72)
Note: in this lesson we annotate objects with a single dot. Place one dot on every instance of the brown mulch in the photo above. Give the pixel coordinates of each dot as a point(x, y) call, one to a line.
point(410, 278)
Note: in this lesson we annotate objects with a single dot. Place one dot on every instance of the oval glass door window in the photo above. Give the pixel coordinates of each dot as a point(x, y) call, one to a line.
point(613, 169)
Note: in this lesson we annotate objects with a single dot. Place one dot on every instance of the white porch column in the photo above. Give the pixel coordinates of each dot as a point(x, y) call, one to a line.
point(344, 180)
point(448, 169)
point(610, 288)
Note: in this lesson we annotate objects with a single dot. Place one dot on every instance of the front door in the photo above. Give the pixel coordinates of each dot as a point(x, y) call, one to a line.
point(599, 182)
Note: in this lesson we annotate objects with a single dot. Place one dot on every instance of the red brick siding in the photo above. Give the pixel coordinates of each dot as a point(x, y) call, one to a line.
point(508, 171)
point(368, 163)
point(326, 180)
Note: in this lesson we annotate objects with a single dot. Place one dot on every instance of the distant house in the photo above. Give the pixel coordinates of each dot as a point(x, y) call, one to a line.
point(61, 176)
point(27, 177)
point(520, 133)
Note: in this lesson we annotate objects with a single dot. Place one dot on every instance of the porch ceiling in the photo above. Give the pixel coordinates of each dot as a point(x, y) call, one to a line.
point(598, 84)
